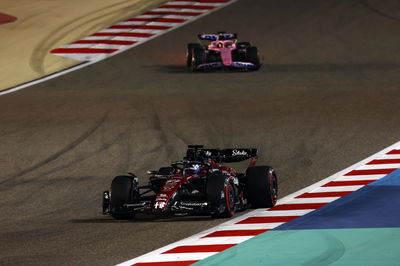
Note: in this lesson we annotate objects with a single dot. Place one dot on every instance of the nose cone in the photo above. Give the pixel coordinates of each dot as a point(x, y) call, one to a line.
point(226, 56)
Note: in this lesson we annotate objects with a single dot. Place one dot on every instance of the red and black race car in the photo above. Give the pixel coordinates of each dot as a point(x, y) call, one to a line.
point(197, 185)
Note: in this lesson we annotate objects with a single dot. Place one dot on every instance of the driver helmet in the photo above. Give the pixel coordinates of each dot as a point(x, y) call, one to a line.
point(191, 168)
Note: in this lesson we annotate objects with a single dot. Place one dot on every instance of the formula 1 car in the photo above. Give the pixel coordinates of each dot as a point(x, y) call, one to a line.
point(223, 50)
point(197, 185)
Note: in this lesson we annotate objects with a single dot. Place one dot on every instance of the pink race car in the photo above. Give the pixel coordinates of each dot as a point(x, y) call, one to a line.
point(223, 50)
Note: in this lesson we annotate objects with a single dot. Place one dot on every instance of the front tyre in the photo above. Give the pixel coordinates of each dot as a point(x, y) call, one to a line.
point(189, 53)
point(261, 186)
point(221, 194)
point(198, 58)
point(123, 191)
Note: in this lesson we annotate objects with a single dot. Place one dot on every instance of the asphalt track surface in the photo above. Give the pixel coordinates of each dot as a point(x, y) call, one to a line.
point(326, 97)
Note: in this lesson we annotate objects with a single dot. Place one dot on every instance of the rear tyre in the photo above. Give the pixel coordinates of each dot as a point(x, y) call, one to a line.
point(122, 192)
point(261, 186)
point(198, 58)
point(243, 45)
point(189, 53)
point(253, 57)
point(221, 195)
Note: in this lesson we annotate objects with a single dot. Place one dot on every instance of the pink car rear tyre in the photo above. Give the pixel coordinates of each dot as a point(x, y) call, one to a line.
point(189, 53)
point(198, 57)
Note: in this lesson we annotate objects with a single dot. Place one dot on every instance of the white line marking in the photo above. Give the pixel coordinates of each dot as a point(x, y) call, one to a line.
point(148, 23)
point(95, 45)
point(314, 200)
point(85, 57)
point(167, 16)
point(252, 226)
point(220, 240)
point(391, 156)
point(177, 257)
point(116, 38)
point(285, 213)
point(337, 188)
point(192, 4)
point(131, 30)
point(359, 177)
point(185, 10)
point(380, 166)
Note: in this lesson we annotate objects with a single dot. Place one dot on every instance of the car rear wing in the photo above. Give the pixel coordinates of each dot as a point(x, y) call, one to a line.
point(231, 155)
point(214, 37)
point(207, 37)
point(237, 155)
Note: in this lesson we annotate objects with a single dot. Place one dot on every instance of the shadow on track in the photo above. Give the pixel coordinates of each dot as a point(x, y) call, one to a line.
point(330, 67)
point(143, 219)
point(300, 67)
point(185, 70)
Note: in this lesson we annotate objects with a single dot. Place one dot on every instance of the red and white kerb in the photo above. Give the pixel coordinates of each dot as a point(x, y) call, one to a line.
point(132, 32)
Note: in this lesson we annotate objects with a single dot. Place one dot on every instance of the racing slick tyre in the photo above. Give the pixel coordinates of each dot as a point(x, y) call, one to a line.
point(189, 53)
point(253, 57)
point(198, 58)
point(261, 186)
point(218, 185)
point(122, 192)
